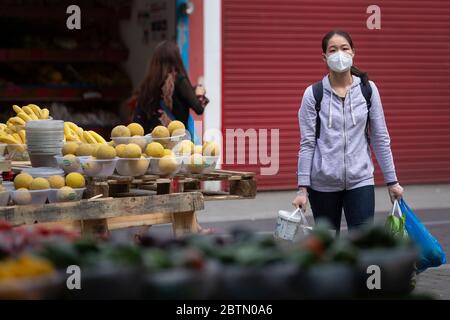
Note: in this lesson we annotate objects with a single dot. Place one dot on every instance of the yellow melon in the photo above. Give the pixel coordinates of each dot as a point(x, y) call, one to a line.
point(56, 182)
point(23, 180)
point(120, 131)
point(105, 152)
point(155, 150)
point(136, 129)
point(40, 184)
point(160, 132)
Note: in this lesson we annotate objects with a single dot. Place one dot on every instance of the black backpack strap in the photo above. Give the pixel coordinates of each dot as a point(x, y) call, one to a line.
point(366, 90)
point(318, 94)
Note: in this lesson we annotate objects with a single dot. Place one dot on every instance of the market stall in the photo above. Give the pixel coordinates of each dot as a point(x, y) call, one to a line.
point(72, 177)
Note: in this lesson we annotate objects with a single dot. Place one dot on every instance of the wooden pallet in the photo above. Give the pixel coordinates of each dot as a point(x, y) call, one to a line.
point(104, 214)
point(239, 185)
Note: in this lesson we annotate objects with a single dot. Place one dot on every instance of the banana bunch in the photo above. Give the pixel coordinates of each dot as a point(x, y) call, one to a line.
point(25, 114)
point(74, 133)
point(12, 138)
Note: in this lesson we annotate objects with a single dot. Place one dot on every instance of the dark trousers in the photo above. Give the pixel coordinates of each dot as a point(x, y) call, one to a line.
point(358, 205)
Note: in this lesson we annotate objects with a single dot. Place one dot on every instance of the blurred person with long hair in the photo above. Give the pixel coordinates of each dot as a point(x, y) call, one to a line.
point(167, 86)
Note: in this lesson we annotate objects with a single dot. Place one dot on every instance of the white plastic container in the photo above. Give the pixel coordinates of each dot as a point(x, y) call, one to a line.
point(45, 138)
point(54, 197)
point(210, 163)
point(168, 143)
point(155, 169)
point(8, 185)
point(69, 165)
point(132, 167)
point(27, 197)
point(43, 172)
point(2, 149)
point(4, 198)
point(139, 140)
point(98, 168)
point(289, 223)
point(17, 152)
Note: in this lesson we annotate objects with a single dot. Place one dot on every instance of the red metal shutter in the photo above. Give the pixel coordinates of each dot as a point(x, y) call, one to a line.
point(272, 52)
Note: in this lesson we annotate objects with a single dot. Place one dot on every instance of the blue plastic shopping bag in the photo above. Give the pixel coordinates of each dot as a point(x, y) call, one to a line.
point(431, 253)
point(192, 131)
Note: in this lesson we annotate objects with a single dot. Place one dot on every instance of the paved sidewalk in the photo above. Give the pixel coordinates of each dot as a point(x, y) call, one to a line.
point(267, 204)
point(435, 281)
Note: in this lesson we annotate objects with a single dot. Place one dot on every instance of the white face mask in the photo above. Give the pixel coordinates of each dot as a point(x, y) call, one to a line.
point(340, 61)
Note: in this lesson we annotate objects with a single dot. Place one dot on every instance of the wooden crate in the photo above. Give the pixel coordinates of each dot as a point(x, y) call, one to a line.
point(104, 214)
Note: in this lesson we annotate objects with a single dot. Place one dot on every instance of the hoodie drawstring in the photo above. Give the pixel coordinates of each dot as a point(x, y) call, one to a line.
point(330, 111)
point(351, 107)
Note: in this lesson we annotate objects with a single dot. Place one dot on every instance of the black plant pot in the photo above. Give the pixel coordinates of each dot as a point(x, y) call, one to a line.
point(396, 267)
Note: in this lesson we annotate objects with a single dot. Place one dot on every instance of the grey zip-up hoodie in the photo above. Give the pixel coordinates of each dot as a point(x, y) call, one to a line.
point(341, 158)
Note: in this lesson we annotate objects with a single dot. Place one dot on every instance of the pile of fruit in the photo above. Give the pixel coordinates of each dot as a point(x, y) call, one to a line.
point(74, 133)
point(167, 151)
point(13, 132)
point(27, 188)
point(195, 156)
point(25, 266)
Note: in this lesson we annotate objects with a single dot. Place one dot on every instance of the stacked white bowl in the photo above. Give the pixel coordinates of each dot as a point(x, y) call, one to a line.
point(45, 139)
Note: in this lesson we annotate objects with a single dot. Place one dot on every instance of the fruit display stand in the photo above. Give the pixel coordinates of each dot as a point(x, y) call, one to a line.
point(135, 202)
point(98, 216)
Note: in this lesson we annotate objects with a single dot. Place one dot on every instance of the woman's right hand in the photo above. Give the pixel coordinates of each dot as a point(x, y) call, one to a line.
point(200, 91)
point(301, 200)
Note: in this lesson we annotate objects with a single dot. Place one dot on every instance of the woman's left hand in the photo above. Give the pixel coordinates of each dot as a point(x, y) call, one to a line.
point(396, 192)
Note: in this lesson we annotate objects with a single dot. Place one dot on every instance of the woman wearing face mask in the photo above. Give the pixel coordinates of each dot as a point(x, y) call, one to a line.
point(335, 169)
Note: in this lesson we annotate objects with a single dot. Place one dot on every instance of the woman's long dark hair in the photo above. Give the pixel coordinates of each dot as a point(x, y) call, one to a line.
point(354, 70)
point(166, 63)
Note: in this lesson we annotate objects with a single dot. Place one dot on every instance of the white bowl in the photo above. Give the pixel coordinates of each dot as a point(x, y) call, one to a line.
point(45, 141)
point(17, 152)
point(2, 149)
point(27, 197)
point(139, 140)
point(98, 168)
point(45, 124)
point(132, 167)
point(208, 165)
point(155, 169)
point(8, 185)
point(43, 172)
point(4, 198)
point(45, 137)
point(54, 151)
point(167, 143)
point(69, 166)
point(77, 195)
